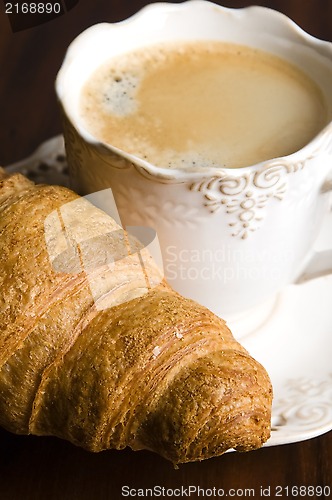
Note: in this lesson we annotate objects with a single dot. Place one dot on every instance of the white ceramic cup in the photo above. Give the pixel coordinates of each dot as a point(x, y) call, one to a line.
point(231, 238)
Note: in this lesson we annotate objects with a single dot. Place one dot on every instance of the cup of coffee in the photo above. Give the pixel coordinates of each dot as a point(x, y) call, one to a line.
point(212, 126)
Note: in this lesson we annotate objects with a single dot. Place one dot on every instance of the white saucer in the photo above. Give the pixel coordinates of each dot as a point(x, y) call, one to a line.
point(294, 344)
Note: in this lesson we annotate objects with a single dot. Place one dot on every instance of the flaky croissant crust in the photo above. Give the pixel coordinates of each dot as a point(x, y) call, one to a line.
point(155, 371)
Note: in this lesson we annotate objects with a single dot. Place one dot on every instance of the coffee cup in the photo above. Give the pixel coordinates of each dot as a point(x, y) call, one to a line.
point(231, 238)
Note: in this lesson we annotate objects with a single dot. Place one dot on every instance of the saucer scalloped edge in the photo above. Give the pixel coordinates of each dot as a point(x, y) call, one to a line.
point(294, 344)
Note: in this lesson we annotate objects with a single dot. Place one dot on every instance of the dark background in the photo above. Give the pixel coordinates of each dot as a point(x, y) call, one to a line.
point(47, 468)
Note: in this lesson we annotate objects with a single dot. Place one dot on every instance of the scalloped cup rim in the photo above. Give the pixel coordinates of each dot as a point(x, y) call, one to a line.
point(178, 174)
point(183, 175)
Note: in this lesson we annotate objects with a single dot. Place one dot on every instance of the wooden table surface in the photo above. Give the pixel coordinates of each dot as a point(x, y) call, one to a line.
point(48, 468)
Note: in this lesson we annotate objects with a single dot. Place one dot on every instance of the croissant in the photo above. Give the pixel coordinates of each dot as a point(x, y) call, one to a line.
point(104, 353)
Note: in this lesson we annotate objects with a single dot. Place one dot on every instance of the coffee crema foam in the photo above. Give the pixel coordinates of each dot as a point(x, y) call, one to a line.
point(202, 104)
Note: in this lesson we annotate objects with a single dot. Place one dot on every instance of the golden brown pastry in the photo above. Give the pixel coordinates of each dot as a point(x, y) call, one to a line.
point(107, 355)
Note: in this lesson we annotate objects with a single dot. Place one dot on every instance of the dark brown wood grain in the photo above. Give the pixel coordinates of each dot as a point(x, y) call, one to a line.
point(33, 468)
point(48, 468)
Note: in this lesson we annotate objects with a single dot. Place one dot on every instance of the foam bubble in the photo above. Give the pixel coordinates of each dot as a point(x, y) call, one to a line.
point(168, 158)
point(119, 92)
